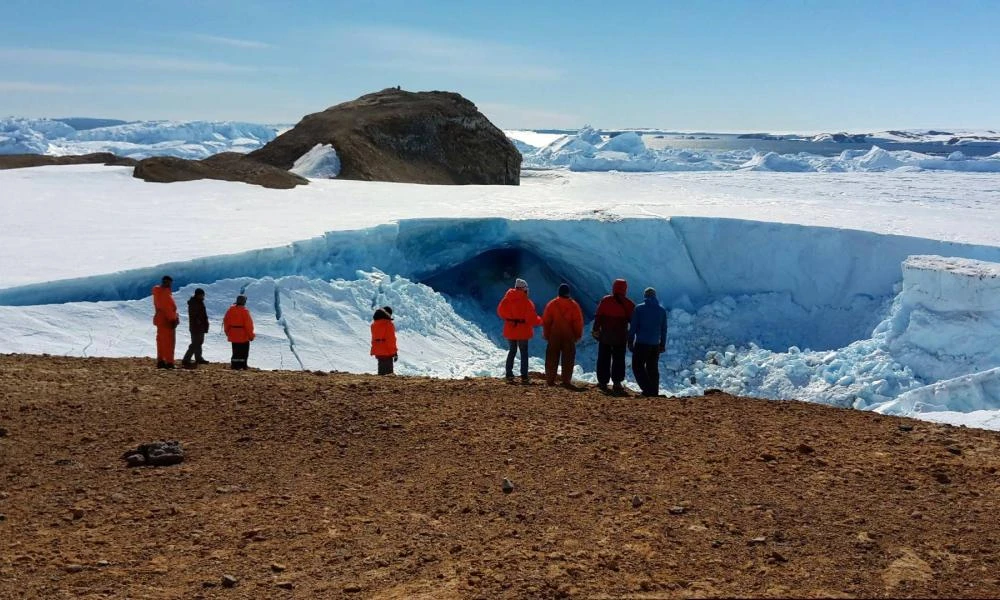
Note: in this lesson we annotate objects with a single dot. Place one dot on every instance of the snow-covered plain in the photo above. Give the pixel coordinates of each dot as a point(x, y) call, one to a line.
point(780, 285)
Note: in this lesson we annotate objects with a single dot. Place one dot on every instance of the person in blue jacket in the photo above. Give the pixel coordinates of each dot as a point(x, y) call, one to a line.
point(647, 340)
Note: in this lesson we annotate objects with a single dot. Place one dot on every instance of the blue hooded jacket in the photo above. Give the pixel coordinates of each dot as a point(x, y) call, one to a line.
point(649, 324)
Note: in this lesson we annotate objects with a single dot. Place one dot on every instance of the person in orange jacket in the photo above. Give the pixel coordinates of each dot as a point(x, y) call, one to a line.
point(238, 325)
point(562, 327)
point(384, 340)
point(520, 319)
point(166, 321)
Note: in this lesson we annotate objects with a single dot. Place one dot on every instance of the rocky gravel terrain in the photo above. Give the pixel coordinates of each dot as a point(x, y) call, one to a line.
point(316, 485)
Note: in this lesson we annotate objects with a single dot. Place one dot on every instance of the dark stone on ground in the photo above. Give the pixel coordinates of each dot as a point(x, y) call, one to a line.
point(155, 454)
point(229, 581)
point(406, 137)
point(21, 161)
point(227, 166)
point(507, 486)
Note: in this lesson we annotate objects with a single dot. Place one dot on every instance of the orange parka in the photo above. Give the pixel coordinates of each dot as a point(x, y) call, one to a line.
point(165, 307)
point(238, 324)
point(518, 314)
point(562, 319)
point(383, 336)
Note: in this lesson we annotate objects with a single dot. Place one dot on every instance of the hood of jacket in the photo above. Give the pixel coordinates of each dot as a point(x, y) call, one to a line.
point(619, 287)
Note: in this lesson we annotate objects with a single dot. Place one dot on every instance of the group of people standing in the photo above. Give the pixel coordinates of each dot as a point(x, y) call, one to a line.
point(237, 323)
point(619, 325)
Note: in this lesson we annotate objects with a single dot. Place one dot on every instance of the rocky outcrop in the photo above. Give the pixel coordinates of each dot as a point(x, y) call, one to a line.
point(401, 136)
point(20, 161)
point(227, 166)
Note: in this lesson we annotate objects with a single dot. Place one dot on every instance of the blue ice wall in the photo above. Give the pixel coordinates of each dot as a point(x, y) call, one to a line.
point(826, 286)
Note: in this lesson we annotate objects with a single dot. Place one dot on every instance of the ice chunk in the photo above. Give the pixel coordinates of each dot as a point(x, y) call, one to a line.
point(321, 162)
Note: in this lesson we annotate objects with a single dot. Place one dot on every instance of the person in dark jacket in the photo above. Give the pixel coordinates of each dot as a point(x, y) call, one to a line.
point(198, 325)
point(647, 339)
point(611, 324)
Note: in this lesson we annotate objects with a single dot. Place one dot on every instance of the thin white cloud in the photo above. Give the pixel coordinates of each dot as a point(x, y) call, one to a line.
point(31, 87)
point(227, 41)
point(421, 51)
point(114, 60)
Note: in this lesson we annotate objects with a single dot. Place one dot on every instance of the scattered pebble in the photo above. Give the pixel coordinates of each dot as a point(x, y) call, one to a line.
point(352, 589)
point(73, 568)
point(506, 486)
point(805, 449)
point(637, 501)
point(955, 450)
point(677, 510)
point(906, 427)
point(229, 581)
point(768, 457)
point(285, 585)
point(155, 454)
point(757, 541)
point(278, 567)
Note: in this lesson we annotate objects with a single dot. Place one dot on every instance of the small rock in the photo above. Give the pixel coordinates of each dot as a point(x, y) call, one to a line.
point(757, 541)
point(576, 494)
point(278, 567)
point(285, 585)
point(941, 477)
point(777, 557)
point(917, 515)
point(78, 513)
point(768, 457)
point(116, 497)
point(506, 486)
point(637, 501)
point(3, 432)
point(352, 589)
point(906, 427)
point(805, 449)
point(103, 563)
point(73, 568)
point(954, 450)
point(716, 543)
point(229, 581)
point(208, 584)
point(677, 510)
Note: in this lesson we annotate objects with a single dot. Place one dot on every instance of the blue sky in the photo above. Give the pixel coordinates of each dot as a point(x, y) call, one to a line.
point(720, 65)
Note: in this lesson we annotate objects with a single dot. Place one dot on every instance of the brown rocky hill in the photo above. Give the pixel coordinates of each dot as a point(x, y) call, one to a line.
point(303, 485)
point(401, 136)
point(226, 166)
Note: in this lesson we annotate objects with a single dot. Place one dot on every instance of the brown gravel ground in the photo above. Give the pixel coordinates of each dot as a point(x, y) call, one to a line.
point(304, 485)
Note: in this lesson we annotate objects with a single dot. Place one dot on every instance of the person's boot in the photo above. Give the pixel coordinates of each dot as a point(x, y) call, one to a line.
point(201, 361)
point(619, 390)
point(168, 366)
point(161, 365)
point(603, 387)
point(187, 364)
point(525, 380)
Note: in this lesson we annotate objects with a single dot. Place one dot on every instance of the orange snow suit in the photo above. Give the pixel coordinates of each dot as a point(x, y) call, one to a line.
point(166, 321)
point(383, 338)
point(518, 313)
point(238, 325)
point(562, 326)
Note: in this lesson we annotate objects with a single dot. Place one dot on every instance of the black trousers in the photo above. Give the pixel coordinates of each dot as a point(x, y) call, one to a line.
point(241, 351)
point(610, 364)
point(513, 347)
point(197, 339)
point(384, 365)
point(646, 368)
